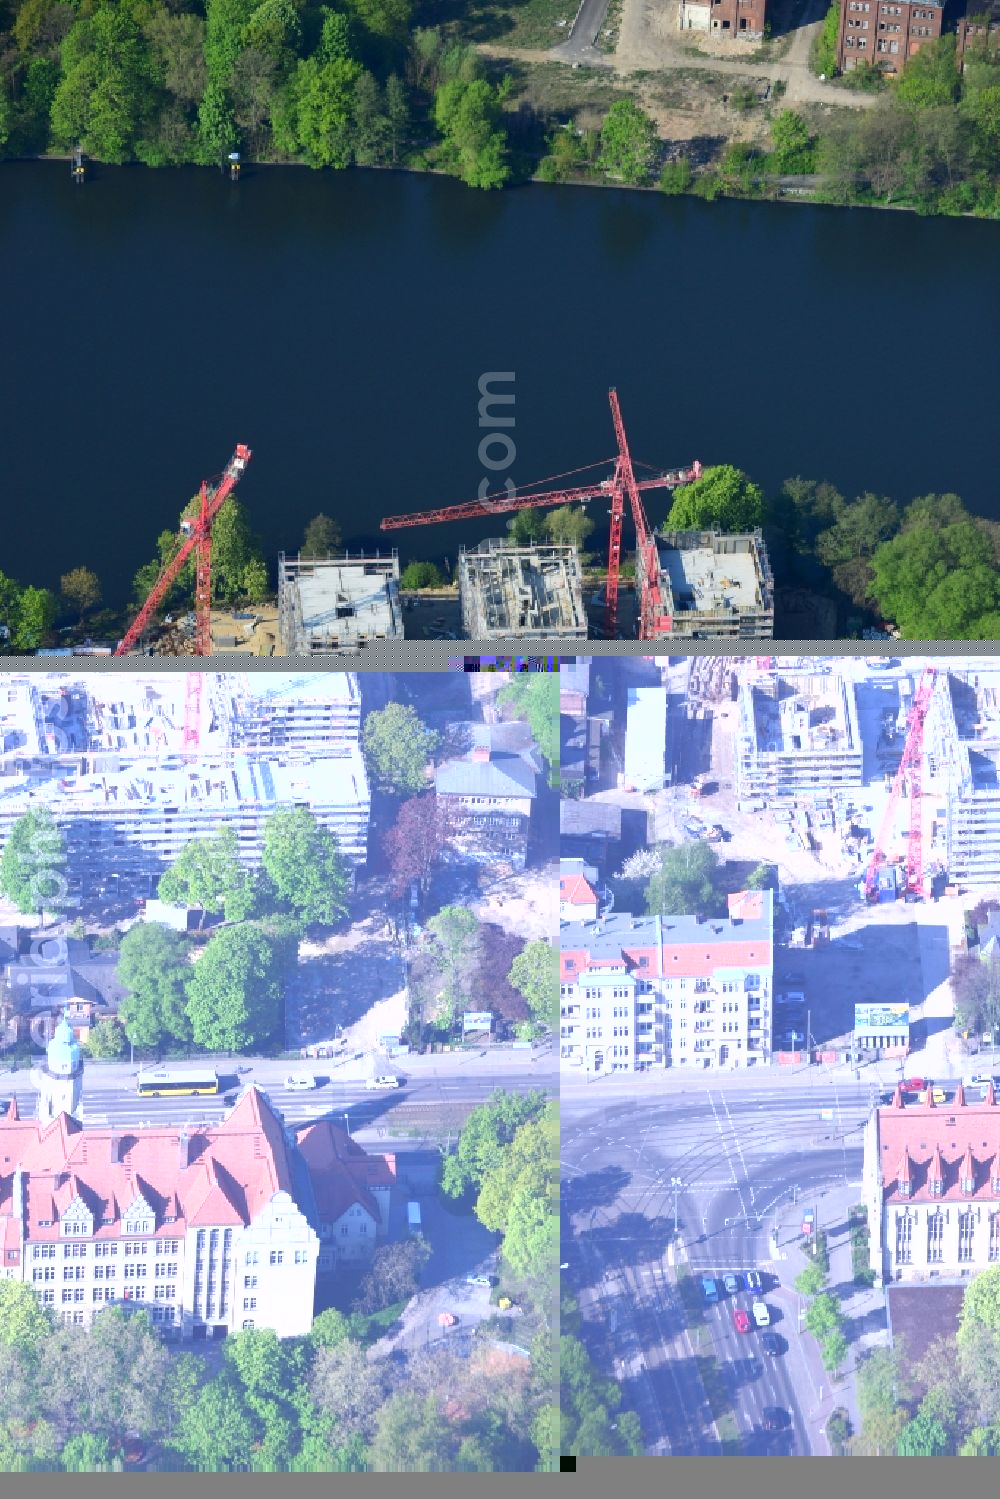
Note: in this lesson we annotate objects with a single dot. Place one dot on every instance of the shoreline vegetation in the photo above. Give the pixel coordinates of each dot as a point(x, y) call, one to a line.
point(926, 570)
point(402, 84)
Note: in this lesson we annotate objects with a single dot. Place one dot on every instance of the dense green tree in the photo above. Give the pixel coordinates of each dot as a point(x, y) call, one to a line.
point(316, 116)
point(723, 499)
point(236, 989)
point(322, 538)
point(589, 1408)
point(304, 864)
point(215, 1432)
point(412, 1436)
point(81, 590)
point(252, 88)
point(791, 144)
point(519, 1197)
point(824, 56)
point(823, 1316)
point(106, 95)
point(629, 143)
point(37, 612)
point(811, 1280)
point(938, 583)
point(24, 1323)
point(833, 1349)
point(89, 1453)
point(930, 77)
point(568, 526)
point(217, 135)
point(685, 882)
point(455, 933)
point(474, 143)
point(393, 1276)
point(923, 1438)
point(107, 1039)
point(486, 1137)
point(328, 1329)
point(535, 974)
point(398, 749)
point(107, 1378)
point(267, 1367)
point(34, 862)
point(153, 966)
point(207, 875)
point(397, 114)
point(274, 31)
point(387, 19)
point(225, 32)
point(676, 177)
point(371, 126)
point(534, 696)
point(256, 582)
point(421, 575)
point(234, 549)
point(526, 526)
point(178, 45)
point(980, 1304)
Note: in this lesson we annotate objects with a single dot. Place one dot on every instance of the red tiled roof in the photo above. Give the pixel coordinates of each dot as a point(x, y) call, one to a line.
point(574, 889)
point(700, 960)
point(342, 1172)
point(939, 1143)
point(573, 960)
point(233, 1170)
point(746, 905)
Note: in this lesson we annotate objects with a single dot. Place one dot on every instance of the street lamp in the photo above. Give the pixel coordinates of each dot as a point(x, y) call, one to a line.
point(347, 1120)
point(676, 1186)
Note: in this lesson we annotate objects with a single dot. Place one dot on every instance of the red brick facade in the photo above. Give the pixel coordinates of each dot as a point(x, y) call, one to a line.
point(738, 17)
point(885, 33)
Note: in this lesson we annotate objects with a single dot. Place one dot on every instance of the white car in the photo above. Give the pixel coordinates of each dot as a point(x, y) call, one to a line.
point(761, 1315)
point(383, 1081)
point(300, 1080)
point(977, 1080)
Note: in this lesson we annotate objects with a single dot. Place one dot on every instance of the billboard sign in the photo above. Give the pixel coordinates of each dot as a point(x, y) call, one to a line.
point(881, 1019)
point(477, 1020)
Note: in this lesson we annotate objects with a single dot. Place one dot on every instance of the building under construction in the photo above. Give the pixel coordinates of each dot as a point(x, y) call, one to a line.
point(713, 585)
point(962, 747)
point(337, 603)
point(796, 734)
point(508, 591)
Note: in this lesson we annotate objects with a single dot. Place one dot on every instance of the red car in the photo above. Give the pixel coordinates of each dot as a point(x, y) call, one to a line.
point(914, 1084)
point(740, 1320)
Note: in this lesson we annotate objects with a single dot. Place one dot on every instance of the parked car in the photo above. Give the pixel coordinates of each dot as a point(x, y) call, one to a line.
point(770, 1344)
point(774, 1419)
point(709, 1288)
point(938, 1095)
point(752, 1280)
point(731, 1284)
point(914, 1084)
point(384, 1080)
point(761, 1315)
point(478, 1280)
point(740, 1320)
point(977, 1080)
point(296, 1080)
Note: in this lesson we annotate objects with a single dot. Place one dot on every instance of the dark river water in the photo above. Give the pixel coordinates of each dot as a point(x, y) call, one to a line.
point(340, 323)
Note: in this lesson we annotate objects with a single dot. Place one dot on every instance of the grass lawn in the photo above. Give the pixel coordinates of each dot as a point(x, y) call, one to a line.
point(521, 23)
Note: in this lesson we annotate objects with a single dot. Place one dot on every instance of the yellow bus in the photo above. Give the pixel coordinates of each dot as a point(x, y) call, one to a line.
point(167, 1084)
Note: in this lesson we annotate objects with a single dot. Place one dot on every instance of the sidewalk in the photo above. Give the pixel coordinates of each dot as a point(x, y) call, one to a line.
point(863, 1308)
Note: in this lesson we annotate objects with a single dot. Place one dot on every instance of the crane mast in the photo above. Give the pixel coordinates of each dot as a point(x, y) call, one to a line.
point(196, 537)
point(911, 768)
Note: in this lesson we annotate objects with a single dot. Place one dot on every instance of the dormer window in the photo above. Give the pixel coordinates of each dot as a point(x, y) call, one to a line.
point(936, 1186)
point(968, 1185)
point(995, 1186)
point(904, 1187)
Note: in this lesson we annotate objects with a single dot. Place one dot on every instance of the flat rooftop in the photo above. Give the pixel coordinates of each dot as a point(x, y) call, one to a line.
point(511, 590)
point(339, 600)
point(803, 713)
point(704, 582)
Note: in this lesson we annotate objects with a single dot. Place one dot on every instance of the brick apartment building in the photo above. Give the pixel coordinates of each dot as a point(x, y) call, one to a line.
point(745, 18)
point(885, 33)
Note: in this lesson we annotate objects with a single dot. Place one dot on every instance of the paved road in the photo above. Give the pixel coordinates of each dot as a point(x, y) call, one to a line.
point(580, 45)
point(745, 1160)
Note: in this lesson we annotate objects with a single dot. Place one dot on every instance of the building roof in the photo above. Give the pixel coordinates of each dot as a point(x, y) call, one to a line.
point(62, 970)
point(614, 939)
point(574, 675)
point(502, 775)
point(342, 1172)
point(922, 1143)
point(680, 945)
point(232, 1170)
point(574, 889)
point(590, 819)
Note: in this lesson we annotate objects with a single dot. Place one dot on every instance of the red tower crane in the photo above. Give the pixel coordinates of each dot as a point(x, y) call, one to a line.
point(653, 620)
point(196, 536)
point(911, 767)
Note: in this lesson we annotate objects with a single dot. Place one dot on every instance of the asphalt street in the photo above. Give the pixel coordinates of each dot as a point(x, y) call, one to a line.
point(728, 1166)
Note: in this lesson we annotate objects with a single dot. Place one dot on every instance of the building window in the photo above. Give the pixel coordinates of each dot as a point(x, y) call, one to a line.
point(249, 1303)
point(936, 1186)
point(252, 1257)
point(904, 1236)
point(966, 1234)
point(935, 1238)
point(249, 1282)
point(995, 1236)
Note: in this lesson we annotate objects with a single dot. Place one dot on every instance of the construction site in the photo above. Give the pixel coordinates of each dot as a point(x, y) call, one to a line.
point(133, 767)
point(337, 603)
point(716, 585)
point(963, 754)
point(509, 590)
point(796, 732)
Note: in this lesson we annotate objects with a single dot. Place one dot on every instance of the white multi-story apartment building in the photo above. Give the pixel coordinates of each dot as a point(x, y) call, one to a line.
point(932, 1188)
point(697, 992)
point(209, 1229)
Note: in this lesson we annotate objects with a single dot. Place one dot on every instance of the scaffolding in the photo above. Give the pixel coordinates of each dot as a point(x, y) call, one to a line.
point(510, 591)
point(797, 734)
point(716, 585)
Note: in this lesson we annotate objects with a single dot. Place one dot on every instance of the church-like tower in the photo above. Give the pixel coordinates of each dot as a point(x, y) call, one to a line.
point(59, 1081)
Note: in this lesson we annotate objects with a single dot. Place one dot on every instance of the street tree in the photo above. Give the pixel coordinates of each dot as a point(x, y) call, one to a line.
point(684, 882)
point(922, 1437)
point(723, 499)
point(81, 589)
point(811, 1280)
point(304, 864)
point(535, 974)
point(154, 966)
point(348, 1387)
point(455, 934)
point(393, 1274)
point(322, 538)
point(519, 1197)
point(207, 876)
point(107, 1039)
point(823, 1316)
point(629, 143)
point(485, 1138)
point(34, 862)
point(398, 749)
point(416, 841)
point(833, 1350)
point(215, 1432)
point(235, 992)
